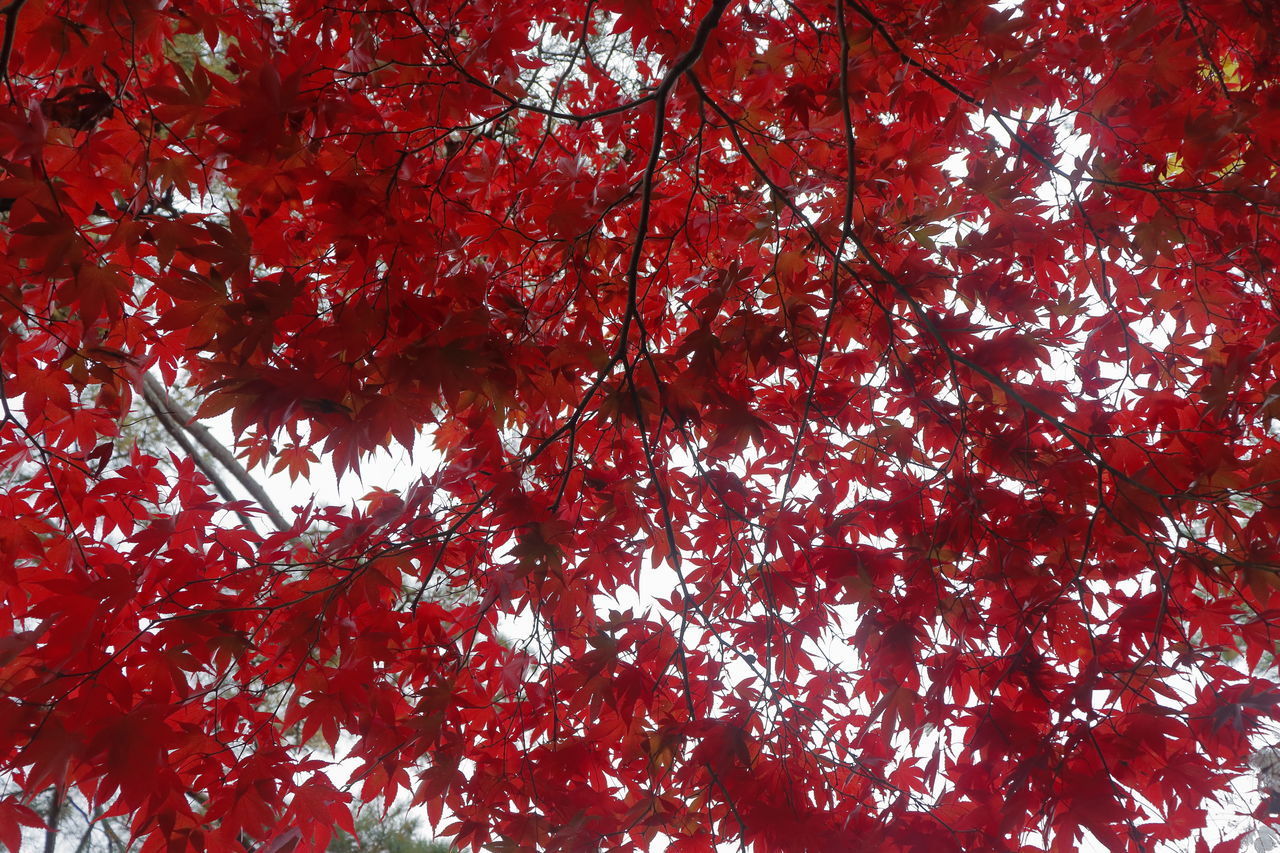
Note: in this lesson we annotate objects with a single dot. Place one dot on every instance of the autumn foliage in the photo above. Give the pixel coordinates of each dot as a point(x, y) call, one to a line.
point(843, 425)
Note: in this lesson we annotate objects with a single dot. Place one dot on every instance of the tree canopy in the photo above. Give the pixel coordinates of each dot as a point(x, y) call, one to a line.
point(842, 424)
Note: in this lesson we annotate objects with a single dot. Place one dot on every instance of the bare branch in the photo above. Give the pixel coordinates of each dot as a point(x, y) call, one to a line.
point(161, 402)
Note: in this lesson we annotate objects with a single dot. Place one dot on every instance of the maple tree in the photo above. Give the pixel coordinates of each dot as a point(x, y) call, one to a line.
point(857, 415)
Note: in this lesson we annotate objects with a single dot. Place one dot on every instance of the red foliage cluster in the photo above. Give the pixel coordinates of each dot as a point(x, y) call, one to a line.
point(909, 367)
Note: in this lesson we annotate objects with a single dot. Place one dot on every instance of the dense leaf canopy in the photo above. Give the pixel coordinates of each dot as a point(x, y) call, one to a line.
point(842, 424)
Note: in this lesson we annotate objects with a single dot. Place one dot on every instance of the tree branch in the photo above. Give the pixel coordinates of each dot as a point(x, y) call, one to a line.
point(165, 406)
point(55, 816)
point(175, 429)
point(10, 13)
